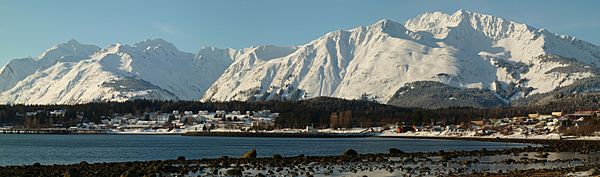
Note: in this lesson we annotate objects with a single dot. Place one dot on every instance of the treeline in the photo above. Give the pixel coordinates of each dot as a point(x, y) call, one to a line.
point(321, 112)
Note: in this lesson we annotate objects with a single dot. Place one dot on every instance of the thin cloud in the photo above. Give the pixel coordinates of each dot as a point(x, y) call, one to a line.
point(164, 27)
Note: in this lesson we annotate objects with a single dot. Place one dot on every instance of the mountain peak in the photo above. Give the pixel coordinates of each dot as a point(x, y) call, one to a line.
point(462, 12)
point(149, 44)
point(73, 42)
point(71, 48)
point(383, 21)
point(440, 24)
point(437, 19)
point(387, 24)
point(389, 27)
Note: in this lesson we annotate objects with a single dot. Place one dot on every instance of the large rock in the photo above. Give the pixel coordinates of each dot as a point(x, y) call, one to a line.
point(234, 172)
point(71, 173)
point(350, 152)
point(250, 154)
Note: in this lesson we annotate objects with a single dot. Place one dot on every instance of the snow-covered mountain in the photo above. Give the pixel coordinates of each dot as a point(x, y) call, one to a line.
point(465, 55)
point(18, 69)
point(71, 73)
point(462, 50)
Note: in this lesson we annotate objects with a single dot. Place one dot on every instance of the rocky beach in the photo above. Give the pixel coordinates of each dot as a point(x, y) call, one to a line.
point(541, 158)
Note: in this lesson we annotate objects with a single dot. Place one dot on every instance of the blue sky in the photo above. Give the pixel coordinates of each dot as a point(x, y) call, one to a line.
point(28, 27)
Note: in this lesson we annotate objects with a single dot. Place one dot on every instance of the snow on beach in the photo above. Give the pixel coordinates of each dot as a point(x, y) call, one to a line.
point(472, 134)
point(410, 134)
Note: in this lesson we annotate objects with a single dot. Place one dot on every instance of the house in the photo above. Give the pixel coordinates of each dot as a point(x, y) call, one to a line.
point(531, 121)
point(220, 114)
point(105, 121)
point(164, 117)
point(533, 116)
point(437, 128)
point(60, 113)
point(479, 123)
point(557, 114)
point(580, 114)
point(262, 113)
point(544, 117)
point(310, 129)
point(518, 120)
point(203, 112)
point(29, 114)
point(404, 129)
point(418, 127)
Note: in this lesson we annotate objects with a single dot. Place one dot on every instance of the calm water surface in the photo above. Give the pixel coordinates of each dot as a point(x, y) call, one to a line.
point(23, 149)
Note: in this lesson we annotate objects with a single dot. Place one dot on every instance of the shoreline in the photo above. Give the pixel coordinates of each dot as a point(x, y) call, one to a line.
point(542, 157)
point(277, 134)
point(349, 162)
point(281, 134)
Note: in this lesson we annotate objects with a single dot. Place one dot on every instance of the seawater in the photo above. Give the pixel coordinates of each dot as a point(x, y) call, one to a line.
point(26, 149)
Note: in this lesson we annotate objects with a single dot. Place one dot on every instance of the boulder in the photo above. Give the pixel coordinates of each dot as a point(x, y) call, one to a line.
point(130, 173)
point(71, 173)
point(350, 152)
point(395, 151)
point(250, 154)
point(234, 172)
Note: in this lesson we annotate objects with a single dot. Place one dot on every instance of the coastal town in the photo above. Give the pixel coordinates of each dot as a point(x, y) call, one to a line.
point(175, 122)
point(555, 125)
point(522, 143)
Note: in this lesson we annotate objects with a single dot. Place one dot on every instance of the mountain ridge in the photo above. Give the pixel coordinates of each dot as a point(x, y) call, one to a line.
point(452, 45)
point(463, 50)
